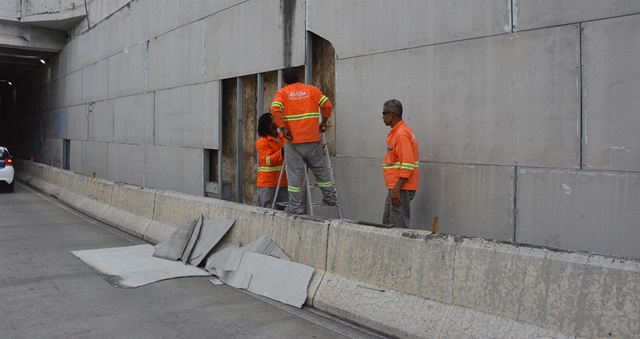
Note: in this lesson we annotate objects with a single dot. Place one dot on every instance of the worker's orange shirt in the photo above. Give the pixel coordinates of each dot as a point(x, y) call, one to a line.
point(295, 107)
point(270, 161)
point(402, 157)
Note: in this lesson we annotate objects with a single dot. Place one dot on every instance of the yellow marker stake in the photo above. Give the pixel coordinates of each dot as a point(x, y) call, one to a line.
point(435, 225)
point(94, 175)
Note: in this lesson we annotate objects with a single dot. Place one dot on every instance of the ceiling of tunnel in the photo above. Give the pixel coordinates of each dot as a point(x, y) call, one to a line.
point(18, 63)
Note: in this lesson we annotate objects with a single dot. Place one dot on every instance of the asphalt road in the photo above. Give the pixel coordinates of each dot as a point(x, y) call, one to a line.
point(46, 292)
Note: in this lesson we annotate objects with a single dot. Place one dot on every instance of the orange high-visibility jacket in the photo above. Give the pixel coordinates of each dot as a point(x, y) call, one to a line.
point(270, 161)
point(295, 107)
point(401, 159)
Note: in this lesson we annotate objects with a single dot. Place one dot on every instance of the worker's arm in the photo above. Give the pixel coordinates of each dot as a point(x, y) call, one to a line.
point(268, 157)
point(395, 192)
point(323, 124)
point(277, 109)
point(327, 108)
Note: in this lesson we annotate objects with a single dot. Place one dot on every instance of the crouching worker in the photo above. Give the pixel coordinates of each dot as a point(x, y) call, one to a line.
point(271, 160)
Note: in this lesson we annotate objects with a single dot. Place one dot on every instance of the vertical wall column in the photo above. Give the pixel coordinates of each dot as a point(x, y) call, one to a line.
point(220, 141)
point(239, 108)
point(308, 59)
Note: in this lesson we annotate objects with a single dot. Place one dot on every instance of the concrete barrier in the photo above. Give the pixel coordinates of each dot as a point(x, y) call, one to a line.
point(404, 283)
point(553, 293)
point(131, 209)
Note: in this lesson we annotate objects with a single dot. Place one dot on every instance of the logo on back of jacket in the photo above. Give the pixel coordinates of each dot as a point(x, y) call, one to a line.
point(298, 95)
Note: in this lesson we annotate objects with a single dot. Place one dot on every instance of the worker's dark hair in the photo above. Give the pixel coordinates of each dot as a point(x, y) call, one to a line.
point(290, 76)
point(394, 106)
point(264, 124)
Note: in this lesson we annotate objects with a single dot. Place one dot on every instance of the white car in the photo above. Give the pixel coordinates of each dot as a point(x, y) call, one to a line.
point(7, 173)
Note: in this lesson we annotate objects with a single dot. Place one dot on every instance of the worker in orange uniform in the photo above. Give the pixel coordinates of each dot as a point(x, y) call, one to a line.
point(295, 109)
point(400, 167)
point(271, 158)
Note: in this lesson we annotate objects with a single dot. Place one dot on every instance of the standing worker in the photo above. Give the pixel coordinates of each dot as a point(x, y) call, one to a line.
point(295, 109)
point(400, 167)
point(271, 158)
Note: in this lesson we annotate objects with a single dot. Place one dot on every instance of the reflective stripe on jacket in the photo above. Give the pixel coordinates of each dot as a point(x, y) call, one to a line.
point(401, 159)
point(270, 161)
point(295, 107)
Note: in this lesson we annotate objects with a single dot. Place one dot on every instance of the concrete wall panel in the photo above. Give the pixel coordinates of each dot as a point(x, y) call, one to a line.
point(364, 27)
point(113, 37)
point(501, 100)
point(473, 200)
point(193, 10)
point(127, 71)
point(78, 122)
point(176, 169)
point(536, 14)
point(176, 58)
point(56, 123)
point(51, 153)
point(188, 116)
point(163, 12)
point(75, 156)
point(133, 119)
point(589, 211)
point(252, 38)
point(106, 39)
point(126, 163)
point(74, 56)
point(101, 121)
point(360, 187)
point(611, 76)
point(98, 10)
point(94, 158)
point(94, 82)
point(10, 10)
point(73, 89)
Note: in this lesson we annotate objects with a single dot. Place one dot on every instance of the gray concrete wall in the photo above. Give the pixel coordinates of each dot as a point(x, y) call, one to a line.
point(512, 102)
point(10, 10)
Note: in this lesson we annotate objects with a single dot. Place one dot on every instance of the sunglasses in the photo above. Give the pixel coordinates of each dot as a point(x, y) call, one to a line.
point(385, 113)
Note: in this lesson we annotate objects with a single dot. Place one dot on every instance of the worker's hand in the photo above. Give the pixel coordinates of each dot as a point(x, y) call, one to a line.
point(323, 127)
point(395, 197)
point(286, 134)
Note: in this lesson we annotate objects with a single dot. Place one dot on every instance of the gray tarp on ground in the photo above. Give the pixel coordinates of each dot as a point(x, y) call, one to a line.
point(134, 266)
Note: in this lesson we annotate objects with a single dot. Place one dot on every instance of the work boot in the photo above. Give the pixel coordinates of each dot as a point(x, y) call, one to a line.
point(288, 210)
point(329, 202)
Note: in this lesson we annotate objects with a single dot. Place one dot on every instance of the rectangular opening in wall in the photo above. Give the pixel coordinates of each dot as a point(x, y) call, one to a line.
point(211, 164)
point(66, 151)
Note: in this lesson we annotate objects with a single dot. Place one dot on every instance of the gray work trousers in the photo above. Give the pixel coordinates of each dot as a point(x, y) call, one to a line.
point(311, 153)
point(265, 196)
point(399, 217)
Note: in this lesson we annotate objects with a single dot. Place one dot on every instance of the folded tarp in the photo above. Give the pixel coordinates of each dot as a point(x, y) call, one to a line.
point(262, 268)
